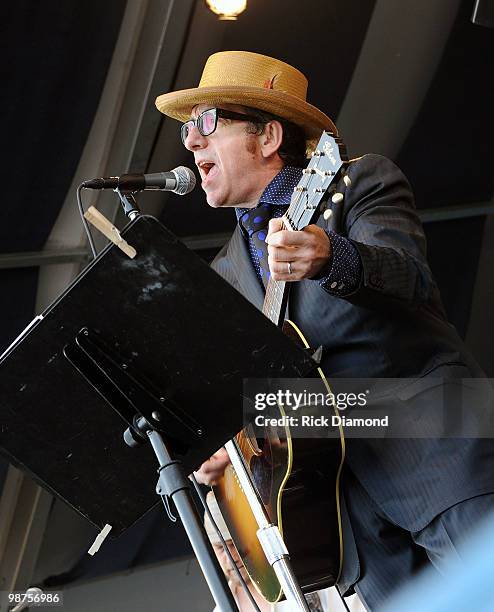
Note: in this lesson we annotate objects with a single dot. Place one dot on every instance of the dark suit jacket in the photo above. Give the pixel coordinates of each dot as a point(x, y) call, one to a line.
point(392, 326)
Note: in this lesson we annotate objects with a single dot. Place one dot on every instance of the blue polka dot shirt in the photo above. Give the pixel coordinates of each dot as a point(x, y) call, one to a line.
point(343, 273)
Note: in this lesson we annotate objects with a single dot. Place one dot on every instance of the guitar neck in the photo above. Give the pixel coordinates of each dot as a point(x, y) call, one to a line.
point(308, 200)
point(275, 301)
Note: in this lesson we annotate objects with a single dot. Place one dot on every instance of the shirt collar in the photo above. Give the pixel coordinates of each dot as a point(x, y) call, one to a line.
point(280, 189)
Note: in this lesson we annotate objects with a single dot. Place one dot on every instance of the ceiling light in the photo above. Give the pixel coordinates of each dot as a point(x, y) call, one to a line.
point(227, 9)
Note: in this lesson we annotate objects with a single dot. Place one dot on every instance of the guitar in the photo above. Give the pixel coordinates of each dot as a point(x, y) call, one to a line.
point(296, 478)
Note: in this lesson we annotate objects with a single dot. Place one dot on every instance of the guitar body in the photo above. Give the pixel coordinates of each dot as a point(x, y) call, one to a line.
point(298, 482)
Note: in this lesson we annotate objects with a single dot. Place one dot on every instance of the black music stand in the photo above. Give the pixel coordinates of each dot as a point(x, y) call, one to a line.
point(165, 342)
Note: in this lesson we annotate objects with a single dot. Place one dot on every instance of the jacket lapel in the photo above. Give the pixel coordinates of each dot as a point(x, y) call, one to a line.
point(236, 267)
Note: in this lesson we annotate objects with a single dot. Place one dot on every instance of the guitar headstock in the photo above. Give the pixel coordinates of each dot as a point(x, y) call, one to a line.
point(324, 169)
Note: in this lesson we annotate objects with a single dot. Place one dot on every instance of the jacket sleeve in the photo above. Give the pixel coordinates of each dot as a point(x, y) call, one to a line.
point(378, 216)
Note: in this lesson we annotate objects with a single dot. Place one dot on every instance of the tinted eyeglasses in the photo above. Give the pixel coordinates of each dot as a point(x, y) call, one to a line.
point(207, 121)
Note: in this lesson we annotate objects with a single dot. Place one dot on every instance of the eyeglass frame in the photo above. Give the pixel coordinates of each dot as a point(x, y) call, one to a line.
point(219, 113)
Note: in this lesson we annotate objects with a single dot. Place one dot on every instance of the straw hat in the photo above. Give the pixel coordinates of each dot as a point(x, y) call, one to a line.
point(250, 79)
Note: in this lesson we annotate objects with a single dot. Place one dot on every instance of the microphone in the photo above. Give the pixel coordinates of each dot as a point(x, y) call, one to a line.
point(180, 180)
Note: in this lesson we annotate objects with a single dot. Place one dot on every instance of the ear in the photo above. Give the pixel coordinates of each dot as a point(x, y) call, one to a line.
point(270, 140)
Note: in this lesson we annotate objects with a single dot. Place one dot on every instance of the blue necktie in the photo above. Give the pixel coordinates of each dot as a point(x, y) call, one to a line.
point(254, 225)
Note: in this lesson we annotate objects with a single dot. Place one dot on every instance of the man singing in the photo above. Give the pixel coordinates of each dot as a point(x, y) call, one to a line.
point(361, 288)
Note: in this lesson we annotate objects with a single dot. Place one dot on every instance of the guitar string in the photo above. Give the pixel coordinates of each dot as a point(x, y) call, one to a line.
point(276, 289)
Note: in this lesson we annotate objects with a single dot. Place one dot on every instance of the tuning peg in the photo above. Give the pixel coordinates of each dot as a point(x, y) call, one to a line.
point(347, 180)
point(327, 214)
point(337, 198)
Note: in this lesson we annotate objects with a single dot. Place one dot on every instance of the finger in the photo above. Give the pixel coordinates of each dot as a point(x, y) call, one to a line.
point(275, 225)
point(313, 229)
point(217, 464)
point(284, 253)
point(217, 459)
point(211, 471)
point(281, 271)
point(287, 238)
point(320, 242)
point(221, 455)
point(309, 244)
point(201, 477)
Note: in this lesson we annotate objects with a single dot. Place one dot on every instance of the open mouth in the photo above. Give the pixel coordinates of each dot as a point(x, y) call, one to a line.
point(205, 167)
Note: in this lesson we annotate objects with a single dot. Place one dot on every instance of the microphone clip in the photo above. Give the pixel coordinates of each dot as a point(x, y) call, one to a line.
point(129, 203)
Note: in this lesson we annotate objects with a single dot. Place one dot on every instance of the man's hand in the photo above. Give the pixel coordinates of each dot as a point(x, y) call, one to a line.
point(307, 251)
point(212, 470)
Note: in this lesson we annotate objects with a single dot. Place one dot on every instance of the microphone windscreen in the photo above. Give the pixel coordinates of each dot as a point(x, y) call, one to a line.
point(186, 180)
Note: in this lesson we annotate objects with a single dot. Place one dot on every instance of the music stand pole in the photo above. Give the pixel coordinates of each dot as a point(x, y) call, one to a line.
point(173, 483)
